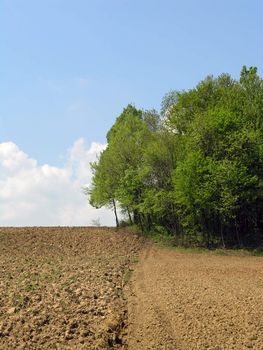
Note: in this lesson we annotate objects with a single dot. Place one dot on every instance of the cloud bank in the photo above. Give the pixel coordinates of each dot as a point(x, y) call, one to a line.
point(45, 195)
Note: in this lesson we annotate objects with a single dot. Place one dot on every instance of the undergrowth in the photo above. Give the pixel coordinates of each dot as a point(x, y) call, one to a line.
point(164, 239)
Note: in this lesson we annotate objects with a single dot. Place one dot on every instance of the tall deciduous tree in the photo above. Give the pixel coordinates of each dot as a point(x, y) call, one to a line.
point(197, 172)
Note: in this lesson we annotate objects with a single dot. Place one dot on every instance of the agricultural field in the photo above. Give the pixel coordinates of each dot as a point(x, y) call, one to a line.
point(101, 288)
point(183, 300)
point(62, 288)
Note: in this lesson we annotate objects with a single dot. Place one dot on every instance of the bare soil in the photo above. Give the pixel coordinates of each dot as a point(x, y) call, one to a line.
point(195, 301)
point(62, 288)
point(99, 289)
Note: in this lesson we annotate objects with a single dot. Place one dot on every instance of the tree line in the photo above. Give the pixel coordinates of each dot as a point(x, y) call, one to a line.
point(194, 170)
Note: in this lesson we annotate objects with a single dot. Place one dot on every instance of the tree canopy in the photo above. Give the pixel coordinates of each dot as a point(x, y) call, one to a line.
point(196, 170)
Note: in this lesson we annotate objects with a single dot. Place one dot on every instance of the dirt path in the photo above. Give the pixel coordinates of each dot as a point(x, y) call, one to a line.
point(195, 301)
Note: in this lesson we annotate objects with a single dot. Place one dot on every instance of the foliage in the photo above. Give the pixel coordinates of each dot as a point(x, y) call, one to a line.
point(197, 172)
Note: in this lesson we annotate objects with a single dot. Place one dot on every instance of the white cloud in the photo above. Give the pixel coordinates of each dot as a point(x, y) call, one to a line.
point(80, 157)
point(13, 159)
point(33, 194)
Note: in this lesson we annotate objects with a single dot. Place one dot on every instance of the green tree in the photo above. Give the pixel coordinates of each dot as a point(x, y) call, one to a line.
point(197, 172)
point(218, 181)
point(104, 183)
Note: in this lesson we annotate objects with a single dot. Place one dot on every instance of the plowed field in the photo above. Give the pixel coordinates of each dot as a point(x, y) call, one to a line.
point(100, 289)
point(62, 288)
point(195, 301)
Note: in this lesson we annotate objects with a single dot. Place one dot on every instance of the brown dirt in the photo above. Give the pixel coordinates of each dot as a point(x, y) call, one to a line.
point(66, 288)
point(62, 288)
point(195, 301)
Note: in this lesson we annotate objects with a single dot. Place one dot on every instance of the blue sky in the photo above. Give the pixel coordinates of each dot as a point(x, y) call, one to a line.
point(68, 68)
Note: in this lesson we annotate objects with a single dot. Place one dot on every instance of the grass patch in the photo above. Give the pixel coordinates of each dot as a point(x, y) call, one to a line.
point(30, 287)
point(135, 259)
point(220, 251)
point(67, 284)
point(167, 241)
point(127, 276)
point(162, 239)
point(20, 301)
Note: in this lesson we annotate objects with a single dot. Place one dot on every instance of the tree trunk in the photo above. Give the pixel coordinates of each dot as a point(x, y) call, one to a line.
point(222, 235)
point(136, 217)
point(237, 234)
point(115, 213)
point(129, 215)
